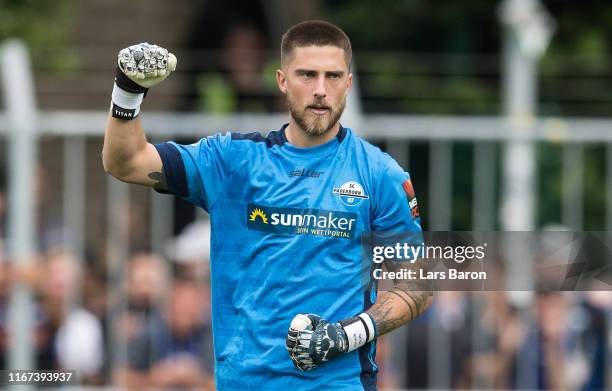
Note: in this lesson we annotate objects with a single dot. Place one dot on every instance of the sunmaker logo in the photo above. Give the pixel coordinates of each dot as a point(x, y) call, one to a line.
point(293, 221)
point(258, 213)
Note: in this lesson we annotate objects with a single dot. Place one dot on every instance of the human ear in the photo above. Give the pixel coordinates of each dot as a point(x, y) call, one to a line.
point(281, 80)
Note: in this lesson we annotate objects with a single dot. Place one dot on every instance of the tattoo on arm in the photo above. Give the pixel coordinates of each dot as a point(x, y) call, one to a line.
point(160, 180)
point(386, 316)
point(390, 312)
point(409, 304)
point(420, 300)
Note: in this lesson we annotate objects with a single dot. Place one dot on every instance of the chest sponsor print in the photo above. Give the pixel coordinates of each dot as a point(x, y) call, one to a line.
point(295, 221)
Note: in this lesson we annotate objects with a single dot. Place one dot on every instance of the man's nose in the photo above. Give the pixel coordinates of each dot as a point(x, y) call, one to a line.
point(320, 89)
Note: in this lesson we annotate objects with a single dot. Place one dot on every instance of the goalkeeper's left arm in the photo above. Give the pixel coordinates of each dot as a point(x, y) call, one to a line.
point(127, 155)
point(312, 340)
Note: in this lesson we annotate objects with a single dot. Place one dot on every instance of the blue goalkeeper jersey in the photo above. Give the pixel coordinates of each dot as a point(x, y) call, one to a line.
point(287, 224)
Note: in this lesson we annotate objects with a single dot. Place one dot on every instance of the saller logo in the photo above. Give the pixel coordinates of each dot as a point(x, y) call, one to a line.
point(294, 221)
point(305, 173)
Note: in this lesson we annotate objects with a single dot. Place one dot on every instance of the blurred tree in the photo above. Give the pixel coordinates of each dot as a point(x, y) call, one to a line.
point(424, 66)
point(41, 24)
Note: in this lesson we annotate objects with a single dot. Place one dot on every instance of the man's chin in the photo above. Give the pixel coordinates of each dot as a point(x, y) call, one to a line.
point(316, 131)
point(314, 125)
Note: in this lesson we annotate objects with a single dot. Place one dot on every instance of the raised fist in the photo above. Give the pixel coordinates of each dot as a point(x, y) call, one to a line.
point(146, 64)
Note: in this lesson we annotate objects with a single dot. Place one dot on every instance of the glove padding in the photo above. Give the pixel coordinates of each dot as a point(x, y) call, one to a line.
point(144, 66)
point(316, 344)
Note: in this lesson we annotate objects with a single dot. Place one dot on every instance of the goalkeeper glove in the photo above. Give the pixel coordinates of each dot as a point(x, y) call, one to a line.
point(139, 67)
point(312, 340)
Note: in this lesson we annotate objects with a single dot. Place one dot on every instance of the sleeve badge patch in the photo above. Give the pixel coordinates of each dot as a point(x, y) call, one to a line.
point(412, 201)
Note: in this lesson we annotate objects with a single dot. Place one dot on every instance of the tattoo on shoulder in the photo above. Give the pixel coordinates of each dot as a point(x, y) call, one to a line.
point(160, 180)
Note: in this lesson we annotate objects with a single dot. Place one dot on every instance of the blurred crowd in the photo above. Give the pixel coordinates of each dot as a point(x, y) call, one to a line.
point(153, 333)
point(156, 332)
point(506, 340)
point(145, 325)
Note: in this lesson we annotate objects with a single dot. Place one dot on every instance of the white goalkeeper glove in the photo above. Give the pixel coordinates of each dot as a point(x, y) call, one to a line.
point(139, 67)
point(312, 340)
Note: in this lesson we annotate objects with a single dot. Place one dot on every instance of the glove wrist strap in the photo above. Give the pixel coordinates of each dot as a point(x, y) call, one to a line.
point(359, 330)
point(127, 84)
point(126, 105)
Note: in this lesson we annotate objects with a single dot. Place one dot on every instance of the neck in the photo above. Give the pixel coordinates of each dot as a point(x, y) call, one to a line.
point(299, 138)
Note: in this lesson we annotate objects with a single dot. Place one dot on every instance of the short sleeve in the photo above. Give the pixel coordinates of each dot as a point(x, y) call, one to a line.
point(395, 208)
point(196, 172)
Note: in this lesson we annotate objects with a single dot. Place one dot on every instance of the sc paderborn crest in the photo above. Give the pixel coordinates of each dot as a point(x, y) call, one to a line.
point(351, 193)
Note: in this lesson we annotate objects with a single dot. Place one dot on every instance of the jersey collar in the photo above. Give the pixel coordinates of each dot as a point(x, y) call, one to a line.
point(339, 136)
point(324, 149)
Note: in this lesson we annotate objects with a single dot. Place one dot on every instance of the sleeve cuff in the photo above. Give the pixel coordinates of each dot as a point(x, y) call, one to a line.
point(174, 169)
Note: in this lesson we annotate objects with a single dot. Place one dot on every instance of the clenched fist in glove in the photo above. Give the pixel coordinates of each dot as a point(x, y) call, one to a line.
point(312, 340)
point(139, 67)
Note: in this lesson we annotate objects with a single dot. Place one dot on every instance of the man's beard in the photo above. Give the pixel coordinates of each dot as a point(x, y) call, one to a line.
point(313, 124)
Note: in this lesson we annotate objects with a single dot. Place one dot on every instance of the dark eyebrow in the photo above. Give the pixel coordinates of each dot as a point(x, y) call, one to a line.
point(303, 71)
point(328, 73)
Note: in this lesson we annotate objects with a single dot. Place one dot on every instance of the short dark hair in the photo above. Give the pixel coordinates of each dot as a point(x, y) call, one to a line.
point(315, 33)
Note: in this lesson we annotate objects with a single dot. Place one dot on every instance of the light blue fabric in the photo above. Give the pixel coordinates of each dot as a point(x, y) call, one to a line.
point(286, 229)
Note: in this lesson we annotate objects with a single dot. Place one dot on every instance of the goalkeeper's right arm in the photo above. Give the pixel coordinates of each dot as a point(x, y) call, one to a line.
point(126, 154)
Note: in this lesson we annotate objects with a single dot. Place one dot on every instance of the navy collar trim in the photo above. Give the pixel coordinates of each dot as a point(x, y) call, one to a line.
point(340, 135)
point(278, 137)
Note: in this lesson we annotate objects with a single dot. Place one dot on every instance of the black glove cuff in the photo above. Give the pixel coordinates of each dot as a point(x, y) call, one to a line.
point(129, 85)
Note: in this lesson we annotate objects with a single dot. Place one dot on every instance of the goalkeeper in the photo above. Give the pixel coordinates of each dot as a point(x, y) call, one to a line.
point(287, 210)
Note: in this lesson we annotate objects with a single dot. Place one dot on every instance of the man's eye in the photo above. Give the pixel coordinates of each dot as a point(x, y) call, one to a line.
point(333, 76)
point(308, 74)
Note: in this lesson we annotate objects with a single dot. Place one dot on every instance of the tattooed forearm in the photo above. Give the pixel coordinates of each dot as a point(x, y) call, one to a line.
point(417, 301)
point(411, 305)
point(386, 315)
point(396, 307)
point(160, 180)
point(404, 302)
point(422, 300)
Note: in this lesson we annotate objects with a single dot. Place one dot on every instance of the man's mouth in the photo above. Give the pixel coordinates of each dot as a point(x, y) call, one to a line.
point(319, 110)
